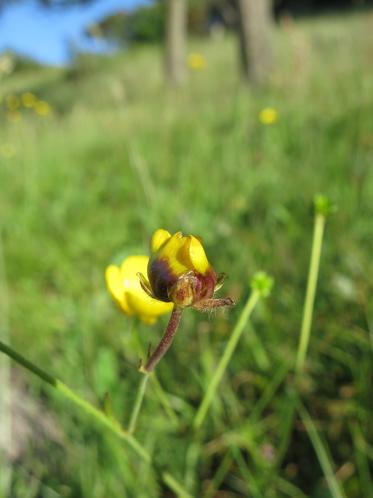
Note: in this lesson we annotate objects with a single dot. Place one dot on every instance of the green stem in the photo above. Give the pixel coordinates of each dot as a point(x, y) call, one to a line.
point(99, 416)
point(309, 301)
point(175, 486)
point(87, 407)
point(361, 459)
point(27, 364)
point(138, 403)
point(219, 476)
point(231, 345)
point(335, 489)
point(163, 399)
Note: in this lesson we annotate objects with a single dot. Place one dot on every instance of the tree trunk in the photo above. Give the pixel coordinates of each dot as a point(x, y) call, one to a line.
point(255, 27)
point(176, 41)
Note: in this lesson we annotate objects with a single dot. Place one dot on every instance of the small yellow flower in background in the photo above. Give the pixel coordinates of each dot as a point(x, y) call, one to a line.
point(12, 102)
point(13, 116)
point(196, 61)
point(7, 151)
point(268, 116)
point(28, 99)
point(124, 285)
point(42, 108)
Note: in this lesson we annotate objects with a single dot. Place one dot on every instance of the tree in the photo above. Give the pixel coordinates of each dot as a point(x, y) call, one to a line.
point(145, 24)
point(176, 27)
point(255, 27)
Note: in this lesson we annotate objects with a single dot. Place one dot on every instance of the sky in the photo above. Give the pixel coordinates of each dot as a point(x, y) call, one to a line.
point(46, 34)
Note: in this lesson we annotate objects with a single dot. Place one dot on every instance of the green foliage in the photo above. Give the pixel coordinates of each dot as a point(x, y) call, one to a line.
point(118, 157)
point(145, 24)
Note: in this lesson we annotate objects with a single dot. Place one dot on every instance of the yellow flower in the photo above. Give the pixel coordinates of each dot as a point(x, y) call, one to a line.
point(179, 271)
point(124, 285)
point(28, 99)
point(42, 108)
point(268, 116)
point(196, 61)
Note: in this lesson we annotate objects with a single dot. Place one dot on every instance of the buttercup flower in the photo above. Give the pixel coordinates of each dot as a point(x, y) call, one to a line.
point(179, 272)
point(196, 61)
point(268, 116)
point(42, 108)
point(177, 275)
point(124, 285)
point(28, 99)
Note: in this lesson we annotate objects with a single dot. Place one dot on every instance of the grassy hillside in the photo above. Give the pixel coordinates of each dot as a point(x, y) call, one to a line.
point(114, 156)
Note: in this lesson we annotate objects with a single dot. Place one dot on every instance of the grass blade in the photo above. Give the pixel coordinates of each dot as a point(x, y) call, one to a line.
point(334, 486)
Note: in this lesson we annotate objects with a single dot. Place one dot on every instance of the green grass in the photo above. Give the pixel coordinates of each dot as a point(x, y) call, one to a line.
point(121, 156)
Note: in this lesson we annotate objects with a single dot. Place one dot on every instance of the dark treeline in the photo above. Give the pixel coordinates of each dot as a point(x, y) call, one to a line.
point(304, 7)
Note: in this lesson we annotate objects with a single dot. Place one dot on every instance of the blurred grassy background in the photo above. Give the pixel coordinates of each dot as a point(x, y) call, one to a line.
point(118, 156)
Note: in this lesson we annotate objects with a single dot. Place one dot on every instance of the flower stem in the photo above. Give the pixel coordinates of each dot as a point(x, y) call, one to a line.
point(87, 407)
point(160, 393)
point(165, 342)
point(99, 416)
point(309, 301)
point(163, 399)
point(138, 403)
point(322, 452)
point(175, 486)
point(230, 347)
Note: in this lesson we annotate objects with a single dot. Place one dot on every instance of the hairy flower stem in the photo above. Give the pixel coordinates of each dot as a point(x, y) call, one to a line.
point(223, 363)
point(97, 415)
point(158, 389)
point(309, 301)
point(165, 342)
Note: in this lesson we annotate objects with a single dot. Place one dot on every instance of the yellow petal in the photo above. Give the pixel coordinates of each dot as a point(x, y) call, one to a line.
point(192, 255)
point(170, 251)
point(114, 284)
point(147, 308)
point(124, 285)
point(137, 300)
point(129, 269)
point(183, 253)
point(148, 320)
point(158, 238)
